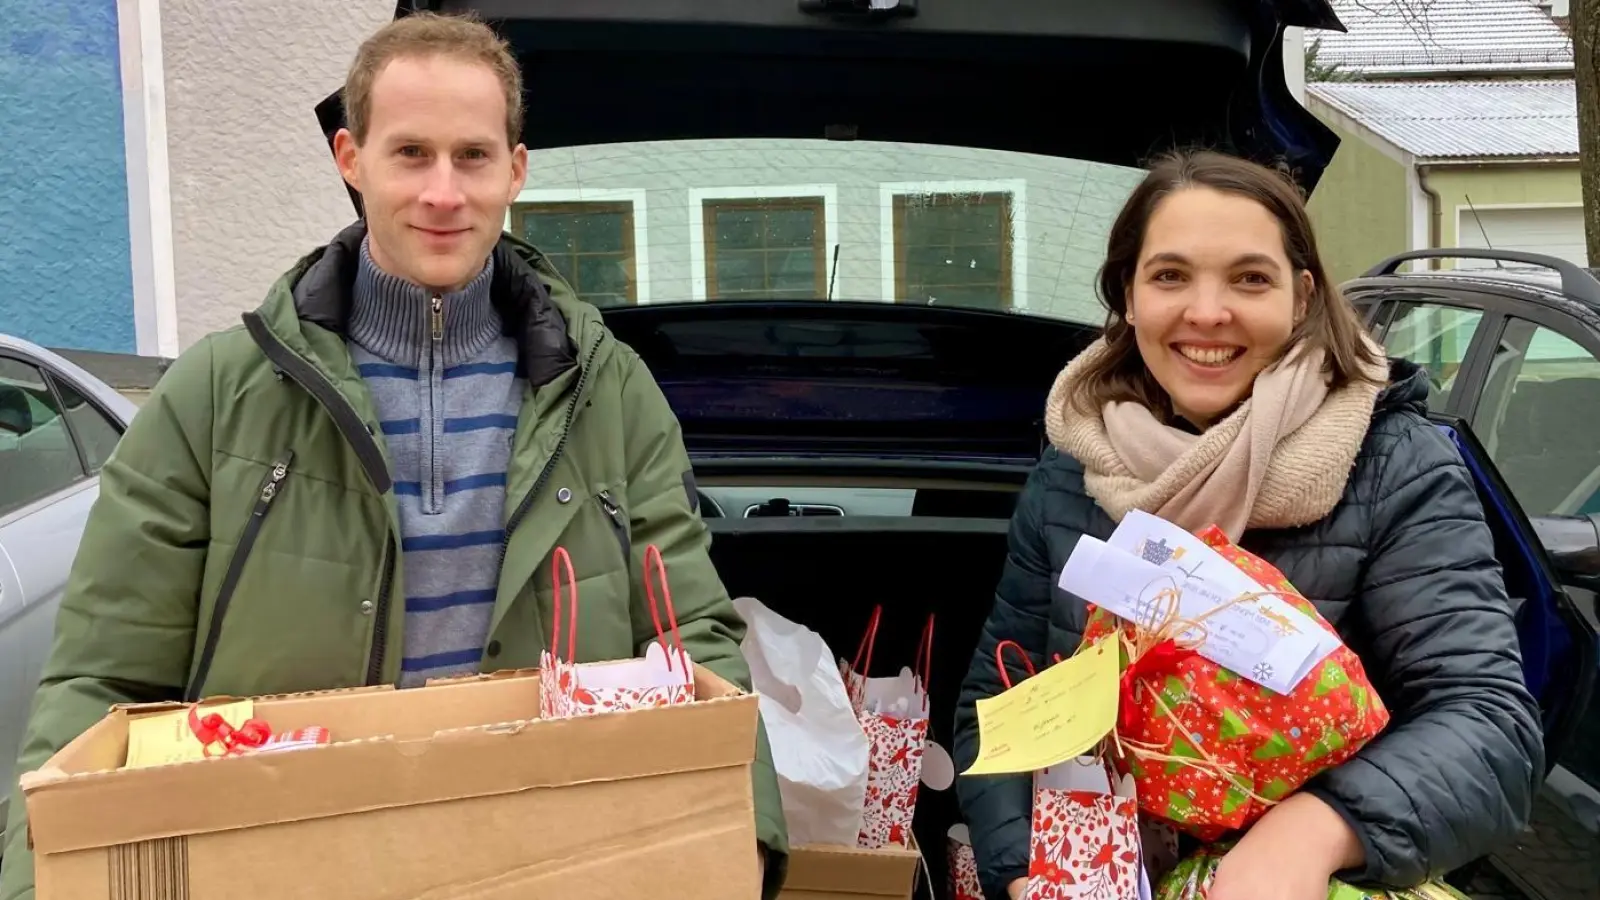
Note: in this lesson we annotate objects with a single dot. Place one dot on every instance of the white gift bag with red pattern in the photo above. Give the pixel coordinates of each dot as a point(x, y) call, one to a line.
point(964, 884)
point(1085, 836)
point(663, 677)
point(894, 714)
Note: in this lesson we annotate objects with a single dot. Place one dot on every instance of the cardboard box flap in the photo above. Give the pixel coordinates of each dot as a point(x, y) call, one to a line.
point(75, 810)
point(825, 869)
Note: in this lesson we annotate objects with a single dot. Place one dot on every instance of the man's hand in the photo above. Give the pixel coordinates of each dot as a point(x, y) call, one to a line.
point(1289, 854)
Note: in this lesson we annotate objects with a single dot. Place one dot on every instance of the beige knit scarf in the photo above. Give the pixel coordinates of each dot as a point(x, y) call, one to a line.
point(1279, 460)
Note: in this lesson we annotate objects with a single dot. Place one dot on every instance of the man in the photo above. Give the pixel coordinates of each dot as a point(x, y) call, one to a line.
point(364, 483)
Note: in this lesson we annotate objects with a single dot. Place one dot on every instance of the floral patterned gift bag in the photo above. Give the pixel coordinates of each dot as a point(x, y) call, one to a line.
point(964, 884)
point(663, 677)
point(894, 714)
point(1085, 836)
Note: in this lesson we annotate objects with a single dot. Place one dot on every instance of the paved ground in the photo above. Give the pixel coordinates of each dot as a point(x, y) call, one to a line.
point(1554, 860)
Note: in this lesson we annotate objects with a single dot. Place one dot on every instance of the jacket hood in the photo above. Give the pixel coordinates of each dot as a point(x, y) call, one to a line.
point(536, 306)
point(1408, 389)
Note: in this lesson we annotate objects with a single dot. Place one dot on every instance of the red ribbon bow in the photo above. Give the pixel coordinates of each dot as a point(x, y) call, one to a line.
point(213, 729)
point(1159, 661)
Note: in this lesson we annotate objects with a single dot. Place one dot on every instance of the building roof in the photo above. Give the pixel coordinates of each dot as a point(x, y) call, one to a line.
point(1463, 119)
point(1444, 37)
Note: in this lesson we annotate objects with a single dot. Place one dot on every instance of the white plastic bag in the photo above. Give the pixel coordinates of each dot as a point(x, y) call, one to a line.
point(818, 747)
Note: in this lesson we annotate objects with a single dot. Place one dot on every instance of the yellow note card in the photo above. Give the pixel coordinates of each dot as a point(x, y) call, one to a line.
point(1052, 717)
point(164, 738)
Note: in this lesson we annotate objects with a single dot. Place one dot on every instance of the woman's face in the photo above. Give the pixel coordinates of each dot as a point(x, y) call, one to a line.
point(1213, 299)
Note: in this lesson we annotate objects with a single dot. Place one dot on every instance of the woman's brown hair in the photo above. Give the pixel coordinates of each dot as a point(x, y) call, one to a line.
point(1330, 322)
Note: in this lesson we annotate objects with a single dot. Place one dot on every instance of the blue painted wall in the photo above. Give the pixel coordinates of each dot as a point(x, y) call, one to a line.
point(65, 275)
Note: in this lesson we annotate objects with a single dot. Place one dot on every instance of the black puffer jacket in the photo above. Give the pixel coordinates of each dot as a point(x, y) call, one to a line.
point(1404, 568)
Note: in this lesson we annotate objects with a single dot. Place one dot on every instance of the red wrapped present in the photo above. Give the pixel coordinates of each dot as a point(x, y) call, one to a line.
point(1212, 751)
point(894, 714)
point(663, 677)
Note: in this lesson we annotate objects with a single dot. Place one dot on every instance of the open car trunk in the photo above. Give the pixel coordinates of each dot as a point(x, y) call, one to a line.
point(942, 404)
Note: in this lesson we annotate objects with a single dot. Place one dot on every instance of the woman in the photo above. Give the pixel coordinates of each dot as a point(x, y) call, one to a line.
point(1234, 385)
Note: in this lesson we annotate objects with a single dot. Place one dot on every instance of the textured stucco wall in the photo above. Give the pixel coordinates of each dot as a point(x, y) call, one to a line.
point(65, 276)
point(1361, 209)
point(253, 184)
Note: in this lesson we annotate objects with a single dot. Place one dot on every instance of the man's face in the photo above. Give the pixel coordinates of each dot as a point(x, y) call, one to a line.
point(435, 172)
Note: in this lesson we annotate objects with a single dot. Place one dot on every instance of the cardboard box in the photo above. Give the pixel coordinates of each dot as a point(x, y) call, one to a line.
point(446, 792)
point(821, 872)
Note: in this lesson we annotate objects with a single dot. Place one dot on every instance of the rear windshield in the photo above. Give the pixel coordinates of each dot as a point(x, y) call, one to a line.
point(684, 221)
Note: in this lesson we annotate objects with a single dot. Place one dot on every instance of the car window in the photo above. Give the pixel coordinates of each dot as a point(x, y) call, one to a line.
point(36, 450)
point(1435, 337)
point(95, 433)
point(1541, 405)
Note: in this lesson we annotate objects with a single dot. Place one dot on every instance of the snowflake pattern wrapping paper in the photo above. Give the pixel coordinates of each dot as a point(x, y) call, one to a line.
point(663, 677)
point(1191, 880)
point(1224, 748)
point(1085, 837)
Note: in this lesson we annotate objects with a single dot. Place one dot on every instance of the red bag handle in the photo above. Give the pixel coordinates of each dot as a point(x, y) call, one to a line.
point(1027, 662)
point(561, 561)
point(922, 664)
point(868, 638)
point(654, 552)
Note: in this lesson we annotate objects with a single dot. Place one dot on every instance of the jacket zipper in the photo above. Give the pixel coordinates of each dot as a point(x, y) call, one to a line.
point(271, 487)
point(549, 466)
point(614, 512)
point(367, 451)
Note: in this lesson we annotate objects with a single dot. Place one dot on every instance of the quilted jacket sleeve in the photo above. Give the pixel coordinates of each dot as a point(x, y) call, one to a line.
point(998, 809)
point(1456, 771)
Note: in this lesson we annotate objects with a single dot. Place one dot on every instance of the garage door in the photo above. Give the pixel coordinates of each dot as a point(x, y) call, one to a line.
point(1557, 232)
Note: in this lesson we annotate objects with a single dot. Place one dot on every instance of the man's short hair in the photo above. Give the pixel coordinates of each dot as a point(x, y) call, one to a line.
point(425, 34)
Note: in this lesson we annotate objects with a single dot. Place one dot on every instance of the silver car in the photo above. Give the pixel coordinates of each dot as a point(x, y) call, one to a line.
point(58, 423)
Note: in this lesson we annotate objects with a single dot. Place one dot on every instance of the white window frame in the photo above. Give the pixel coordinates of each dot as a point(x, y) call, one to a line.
point(697, 225)
point(1016, 187)
point(641, 230)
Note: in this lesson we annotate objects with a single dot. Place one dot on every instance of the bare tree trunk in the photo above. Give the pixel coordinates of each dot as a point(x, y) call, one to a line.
point(1586, 60)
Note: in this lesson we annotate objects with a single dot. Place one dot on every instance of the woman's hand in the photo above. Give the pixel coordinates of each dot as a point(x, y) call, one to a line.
point(1289, 854)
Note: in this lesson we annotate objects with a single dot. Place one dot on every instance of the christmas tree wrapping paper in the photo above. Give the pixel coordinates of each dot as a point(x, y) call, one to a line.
point(1191, 880)
point(1211, 751)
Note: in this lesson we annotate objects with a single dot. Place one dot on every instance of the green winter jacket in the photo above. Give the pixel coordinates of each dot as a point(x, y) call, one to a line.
point(195, 577)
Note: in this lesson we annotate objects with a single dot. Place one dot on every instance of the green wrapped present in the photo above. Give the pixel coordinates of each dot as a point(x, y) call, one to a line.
point(1191, 878)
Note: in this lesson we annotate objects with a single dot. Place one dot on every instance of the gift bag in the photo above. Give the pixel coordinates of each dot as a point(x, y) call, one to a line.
point(1212, 749)
point(818, 747)
point(894, 714)
point(964, 884)
point(663, 677)
point(1191, 880)
point(1084, 838)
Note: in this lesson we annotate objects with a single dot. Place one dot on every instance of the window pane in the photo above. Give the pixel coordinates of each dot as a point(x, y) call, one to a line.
point(552, 233)
point(1540, 418)
point(791, 228)
point(95, 433)
point(954, 248)
point(737, 229)
point(1437, 339)
point(588, 243)
point(740, 270)
point(600, 232)
point(36, 452)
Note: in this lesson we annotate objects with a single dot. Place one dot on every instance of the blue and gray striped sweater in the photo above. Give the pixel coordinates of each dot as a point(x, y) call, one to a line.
point(443, 378)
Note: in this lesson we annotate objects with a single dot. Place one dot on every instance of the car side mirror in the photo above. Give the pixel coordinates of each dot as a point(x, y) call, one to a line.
point(1573, 544)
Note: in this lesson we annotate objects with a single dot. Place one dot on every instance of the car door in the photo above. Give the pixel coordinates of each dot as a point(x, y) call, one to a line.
point(1443, 332)
point(52, 443)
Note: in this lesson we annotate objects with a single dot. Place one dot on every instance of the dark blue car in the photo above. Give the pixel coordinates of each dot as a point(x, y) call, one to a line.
point(855, 241)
